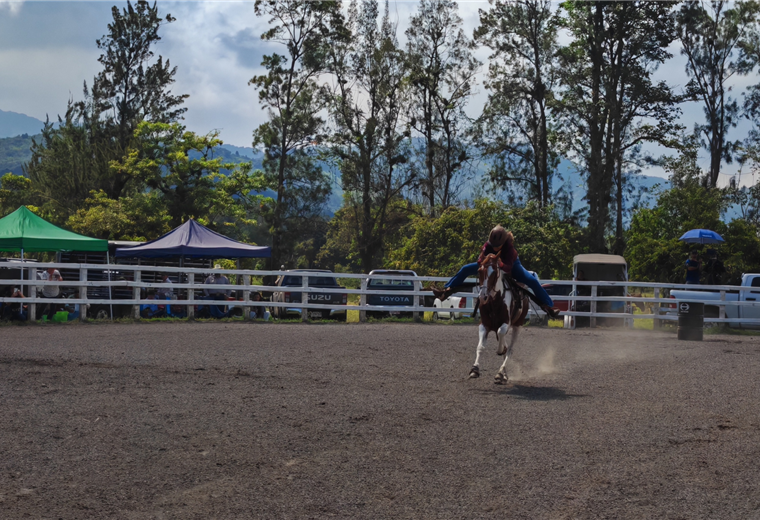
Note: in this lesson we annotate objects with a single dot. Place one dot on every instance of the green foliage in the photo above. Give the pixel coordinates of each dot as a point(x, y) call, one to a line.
point(67, 163)
point(15, 191)
point(140, 217)
point(340, 252)
point(654, 252)
point(191, 185)
point(439, 247)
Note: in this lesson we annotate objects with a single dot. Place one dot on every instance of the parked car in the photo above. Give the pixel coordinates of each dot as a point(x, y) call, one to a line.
point(449, 307)
point(396, 302)
point(295, 280)
point(558, 290)
point(711, 300)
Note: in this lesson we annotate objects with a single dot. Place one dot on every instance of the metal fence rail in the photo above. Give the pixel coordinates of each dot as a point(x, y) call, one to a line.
point(134, 286)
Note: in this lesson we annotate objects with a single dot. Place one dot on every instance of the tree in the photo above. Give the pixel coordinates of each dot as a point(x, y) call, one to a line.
point(609, 104)
point(654, 252)
point(181, 167)
point(72, 159)
point(15, 191)
point(365, 108)
point(130, 88)
point(545, 243)
point(713, 41)
point(294, 101)
point(140, 217)
point(513, 130)
point(442, 75)
point(66, 165)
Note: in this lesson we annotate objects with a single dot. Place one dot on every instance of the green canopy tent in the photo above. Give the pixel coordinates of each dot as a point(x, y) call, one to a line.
point(23, 231)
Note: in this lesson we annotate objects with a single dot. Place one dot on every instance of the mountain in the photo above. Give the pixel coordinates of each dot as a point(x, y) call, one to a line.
point(14, 151)
point(13, 124)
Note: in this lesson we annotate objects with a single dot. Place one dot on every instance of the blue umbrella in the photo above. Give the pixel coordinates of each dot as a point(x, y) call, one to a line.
point(702, 236)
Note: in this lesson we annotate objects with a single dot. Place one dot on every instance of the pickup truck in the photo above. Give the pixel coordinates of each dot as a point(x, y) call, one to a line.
point(293, 281)
point(712, 301)
point(396, 302)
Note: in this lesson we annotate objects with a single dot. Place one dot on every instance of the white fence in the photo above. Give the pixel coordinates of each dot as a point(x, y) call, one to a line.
point(135, 282)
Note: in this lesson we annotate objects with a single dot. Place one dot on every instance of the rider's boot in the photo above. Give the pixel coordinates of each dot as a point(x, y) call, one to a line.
point(553, 312)
point(442, 294)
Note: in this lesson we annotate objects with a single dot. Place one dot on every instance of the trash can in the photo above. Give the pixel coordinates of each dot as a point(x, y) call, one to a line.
point(691, 320)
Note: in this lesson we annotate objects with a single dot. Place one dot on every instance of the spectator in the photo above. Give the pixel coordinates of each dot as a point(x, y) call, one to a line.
point(50, 291)
point(714, 269)
point(693, 268)
point(15, 311)
point(165, 293)
point(151, 310)
point(217, 278)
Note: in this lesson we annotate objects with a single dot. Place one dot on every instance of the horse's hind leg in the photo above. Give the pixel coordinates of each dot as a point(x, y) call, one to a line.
point(501, 376)
point(482, 334)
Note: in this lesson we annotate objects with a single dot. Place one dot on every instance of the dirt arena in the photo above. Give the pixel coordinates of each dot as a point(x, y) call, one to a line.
point(238, 421)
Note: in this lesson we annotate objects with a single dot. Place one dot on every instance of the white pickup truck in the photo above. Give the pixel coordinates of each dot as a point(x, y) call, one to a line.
point(750, 292)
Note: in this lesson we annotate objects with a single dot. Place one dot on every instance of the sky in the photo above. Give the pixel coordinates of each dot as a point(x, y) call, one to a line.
point(48, 50)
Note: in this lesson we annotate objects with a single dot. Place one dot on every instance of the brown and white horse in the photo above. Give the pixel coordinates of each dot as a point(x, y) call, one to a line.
point(499, 310)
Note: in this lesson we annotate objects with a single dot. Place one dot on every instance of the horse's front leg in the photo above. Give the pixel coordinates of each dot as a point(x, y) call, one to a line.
point(501, 335)
point(482, 334)
point(501, 376)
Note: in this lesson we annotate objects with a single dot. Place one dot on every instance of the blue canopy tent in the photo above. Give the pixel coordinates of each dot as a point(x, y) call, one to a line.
point(194, 241)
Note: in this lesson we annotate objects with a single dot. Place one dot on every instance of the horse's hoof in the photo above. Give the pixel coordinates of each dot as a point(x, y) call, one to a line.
point(501, 350)
point(499, 379)
point(474, 372)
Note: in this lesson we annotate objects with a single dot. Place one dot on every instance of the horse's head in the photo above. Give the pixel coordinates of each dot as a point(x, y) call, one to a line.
point(489, 278)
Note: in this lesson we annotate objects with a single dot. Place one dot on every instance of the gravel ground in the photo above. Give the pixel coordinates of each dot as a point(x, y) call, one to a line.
point(235, 420)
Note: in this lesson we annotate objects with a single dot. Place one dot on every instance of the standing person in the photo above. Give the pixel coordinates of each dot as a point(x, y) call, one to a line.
point(714, 269)
point(217, 278)
point(693, 268)
point(501, 243)
point(165, 293)
point(50, 291)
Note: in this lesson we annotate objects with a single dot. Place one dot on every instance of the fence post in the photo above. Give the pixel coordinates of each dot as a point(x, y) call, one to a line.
point(363, 301)
point(416, 299)
point(32, 316)
point(246, 297)
point(191, 295)
point(592, 320)
point(136, 296)
point(656, 323)
point(722, 309)
point(305, 297)
point(83, 294)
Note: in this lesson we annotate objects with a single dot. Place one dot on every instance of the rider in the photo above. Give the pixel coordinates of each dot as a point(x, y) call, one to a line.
point(501, 243)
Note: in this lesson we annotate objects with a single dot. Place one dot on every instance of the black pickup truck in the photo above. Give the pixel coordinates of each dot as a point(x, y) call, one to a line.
point(402, 283)
point(294, 281)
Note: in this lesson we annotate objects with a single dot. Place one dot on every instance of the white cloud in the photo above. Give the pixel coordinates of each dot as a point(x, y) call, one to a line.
point(12, 6)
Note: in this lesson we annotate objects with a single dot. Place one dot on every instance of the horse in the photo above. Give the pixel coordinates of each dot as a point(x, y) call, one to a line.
point(503, 304)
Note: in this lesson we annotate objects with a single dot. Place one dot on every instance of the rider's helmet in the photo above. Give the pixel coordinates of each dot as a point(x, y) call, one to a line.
point(499, 236)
